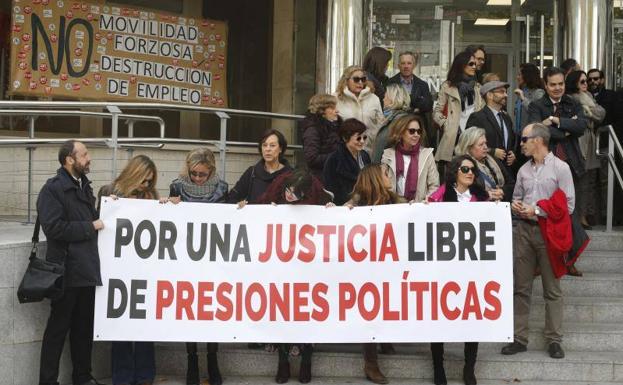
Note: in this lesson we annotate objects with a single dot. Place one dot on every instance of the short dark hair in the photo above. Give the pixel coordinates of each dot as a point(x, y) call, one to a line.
point(571, 82)
point(552, 71)
point(283, 143)
point(67, 149)
point(568, 65)
point(351, 127)
point(472, 49)
point(601, 73)
point(531, 76)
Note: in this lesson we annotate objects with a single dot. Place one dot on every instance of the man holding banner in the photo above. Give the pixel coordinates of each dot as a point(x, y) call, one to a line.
point(536, 180)
point(66, 210)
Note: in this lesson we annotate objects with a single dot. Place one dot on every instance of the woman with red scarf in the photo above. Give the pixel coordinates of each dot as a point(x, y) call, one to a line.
point(412, 164)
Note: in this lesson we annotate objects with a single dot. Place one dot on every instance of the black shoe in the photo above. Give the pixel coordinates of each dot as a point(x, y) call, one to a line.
point(469, 378)
point(283, 372)
point(214, 374)
point(514, 348)
point(555, 350)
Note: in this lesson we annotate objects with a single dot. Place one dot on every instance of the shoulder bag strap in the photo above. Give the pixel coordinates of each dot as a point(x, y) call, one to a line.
point(35, 239)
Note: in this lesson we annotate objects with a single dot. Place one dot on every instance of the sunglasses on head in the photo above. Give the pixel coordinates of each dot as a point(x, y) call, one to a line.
point(361, 138)
point(467, 169)
point(524, 139)
point(199, 174)
point(358, 79)
point(472, 64)
point(412, 131)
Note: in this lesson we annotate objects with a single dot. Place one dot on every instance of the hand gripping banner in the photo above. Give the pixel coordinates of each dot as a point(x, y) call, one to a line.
point(211, 272)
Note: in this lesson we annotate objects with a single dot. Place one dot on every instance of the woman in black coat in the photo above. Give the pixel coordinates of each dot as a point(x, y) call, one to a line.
point(343, 166)
point(256, 179)
point(320, 132)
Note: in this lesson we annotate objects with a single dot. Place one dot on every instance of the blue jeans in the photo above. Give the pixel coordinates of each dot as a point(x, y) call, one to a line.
point(133, 363)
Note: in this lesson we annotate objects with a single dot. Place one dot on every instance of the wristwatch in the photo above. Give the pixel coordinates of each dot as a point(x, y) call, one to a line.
point(537, 211)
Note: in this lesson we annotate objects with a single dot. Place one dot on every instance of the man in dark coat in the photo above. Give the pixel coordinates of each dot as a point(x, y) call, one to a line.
point(421, 99)
point(604, 97)
point(564, 117)
point(495, 121)
point(66, 211)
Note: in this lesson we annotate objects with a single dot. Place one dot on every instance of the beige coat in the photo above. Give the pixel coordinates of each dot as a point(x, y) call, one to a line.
point(366, 108)
point(595, 115)
point(428, 177)
point(450, 124)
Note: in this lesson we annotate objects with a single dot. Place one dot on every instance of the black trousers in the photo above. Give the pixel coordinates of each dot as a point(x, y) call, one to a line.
point(72, 313)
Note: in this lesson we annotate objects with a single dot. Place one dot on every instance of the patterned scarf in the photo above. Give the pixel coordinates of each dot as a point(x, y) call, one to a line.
point(195, 191)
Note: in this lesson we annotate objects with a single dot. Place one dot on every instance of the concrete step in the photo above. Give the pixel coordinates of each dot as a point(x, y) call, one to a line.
point(583, 309)
point(590, 337)
point(237, 380)
point(590, 285)
point(333, 362)
point(602, 241)
point(601, 262)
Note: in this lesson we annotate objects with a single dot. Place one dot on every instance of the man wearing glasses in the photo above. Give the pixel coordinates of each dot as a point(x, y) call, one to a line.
point(605, 98)
point(565, 119)
point(537, 179)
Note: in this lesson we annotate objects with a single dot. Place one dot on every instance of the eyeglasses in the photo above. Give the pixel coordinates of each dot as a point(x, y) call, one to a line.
point(198, 174)
point(466, 169)
point(472, 64)
point(524, 139)
point(412, 131)
point(593, 79)
point(583, 81)
point(361, 138)
point(357, 79)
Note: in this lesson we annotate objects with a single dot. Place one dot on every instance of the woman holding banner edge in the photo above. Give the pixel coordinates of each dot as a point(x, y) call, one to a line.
point(133, 362)
point(461, 185)
point(199, 182)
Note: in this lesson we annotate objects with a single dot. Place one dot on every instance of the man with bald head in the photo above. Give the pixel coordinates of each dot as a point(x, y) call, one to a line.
point(537, 179)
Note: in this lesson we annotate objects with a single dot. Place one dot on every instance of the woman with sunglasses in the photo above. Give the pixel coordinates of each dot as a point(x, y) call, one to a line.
point(461, 185)
point(199, 182)
point(576, 86)
point(133, 362)
point(343, 166)
point(298, 187)
point(356, 100)
point(412, 163)
point(256, 179)
point(459, 96)
point(498, 182)
point(374, 187)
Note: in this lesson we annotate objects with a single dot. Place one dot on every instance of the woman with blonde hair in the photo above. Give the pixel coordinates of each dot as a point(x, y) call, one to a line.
point(493, 175)
point(372, 188)
point(397, 102)
point(412, 163)
point(356, 100)
point(199, 182)
point(133, 362)
point(320, 131)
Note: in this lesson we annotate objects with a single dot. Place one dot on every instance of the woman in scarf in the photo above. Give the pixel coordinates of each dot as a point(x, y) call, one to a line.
point(199, 182)
point(410, 161)
point(396, 103)
point(493, 175)
point(459, 96)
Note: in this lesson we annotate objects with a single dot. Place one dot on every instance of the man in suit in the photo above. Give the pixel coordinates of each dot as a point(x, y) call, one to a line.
point(564, 117)
point(421, 99)
point(495, 121)
point(604, 97)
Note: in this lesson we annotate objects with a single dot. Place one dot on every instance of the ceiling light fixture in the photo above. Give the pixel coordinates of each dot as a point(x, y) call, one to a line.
point(484, 21)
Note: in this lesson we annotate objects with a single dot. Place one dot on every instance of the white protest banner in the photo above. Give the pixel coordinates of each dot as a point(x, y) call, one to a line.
point(396, 273)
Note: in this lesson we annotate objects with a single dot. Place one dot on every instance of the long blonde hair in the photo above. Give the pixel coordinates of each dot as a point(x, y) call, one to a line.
point(369, 189)
point(343, 83)
point(129, 183)
point(196, 157)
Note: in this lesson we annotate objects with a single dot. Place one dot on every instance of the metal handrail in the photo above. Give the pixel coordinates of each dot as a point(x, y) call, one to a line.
point(613, 144)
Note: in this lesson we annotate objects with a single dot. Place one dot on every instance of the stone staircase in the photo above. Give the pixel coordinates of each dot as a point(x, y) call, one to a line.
point(593, 342)
point(593, 337)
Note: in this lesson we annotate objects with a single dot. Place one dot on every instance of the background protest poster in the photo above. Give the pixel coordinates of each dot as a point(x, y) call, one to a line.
point(395, 273)
point(99, 50)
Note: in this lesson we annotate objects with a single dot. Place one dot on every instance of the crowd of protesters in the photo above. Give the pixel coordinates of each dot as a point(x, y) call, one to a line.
point(372, 142)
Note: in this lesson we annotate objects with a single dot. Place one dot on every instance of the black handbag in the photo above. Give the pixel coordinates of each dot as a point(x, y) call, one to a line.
point(42, 279)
